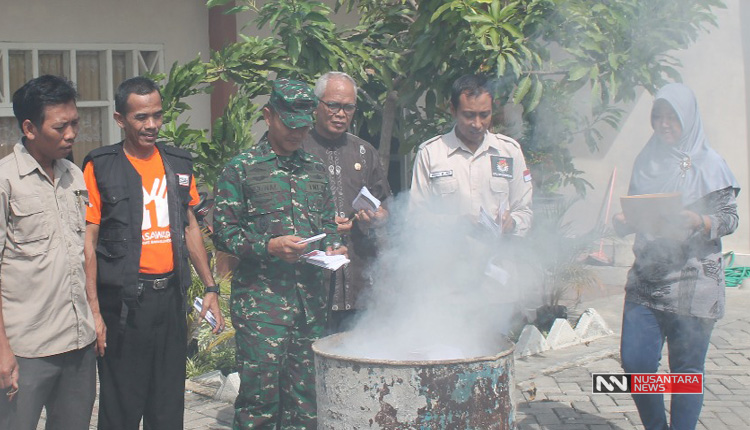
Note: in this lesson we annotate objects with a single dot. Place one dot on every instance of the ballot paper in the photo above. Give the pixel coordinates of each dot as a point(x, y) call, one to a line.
point(486, 221)
point(198, 305)
point(330, 262)
point(365, 201)
point(315, 238)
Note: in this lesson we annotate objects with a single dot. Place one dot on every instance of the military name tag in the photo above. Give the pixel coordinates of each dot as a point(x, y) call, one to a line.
point(441, 174)
point(265, 188)
point(316, 187)
point(502, 167)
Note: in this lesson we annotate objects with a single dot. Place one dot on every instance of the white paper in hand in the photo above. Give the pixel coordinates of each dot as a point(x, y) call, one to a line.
point(486, 221)
point(330, 262)
point(198, 305)
point(365, 201)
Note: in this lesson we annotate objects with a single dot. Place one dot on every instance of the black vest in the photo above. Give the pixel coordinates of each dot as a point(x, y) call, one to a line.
point(118, 250)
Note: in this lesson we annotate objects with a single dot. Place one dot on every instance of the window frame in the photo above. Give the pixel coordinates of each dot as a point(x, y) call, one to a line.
point(136, 65)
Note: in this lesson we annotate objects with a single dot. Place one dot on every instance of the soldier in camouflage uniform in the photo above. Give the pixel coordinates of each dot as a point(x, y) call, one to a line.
point(269, 198)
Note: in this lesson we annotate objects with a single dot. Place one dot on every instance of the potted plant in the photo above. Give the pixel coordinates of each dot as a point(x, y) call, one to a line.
point(554, 259)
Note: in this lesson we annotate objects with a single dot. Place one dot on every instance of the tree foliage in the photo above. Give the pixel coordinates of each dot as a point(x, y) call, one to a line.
point(543, 55)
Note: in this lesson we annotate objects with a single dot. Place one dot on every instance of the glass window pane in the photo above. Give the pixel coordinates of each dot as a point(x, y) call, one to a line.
point(119, 68)
point(53, 63)
point(89, 67)
point(19, 69)
point(90, 132)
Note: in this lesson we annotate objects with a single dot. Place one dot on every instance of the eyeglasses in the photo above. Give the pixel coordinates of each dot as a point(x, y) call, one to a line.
point(335, 107)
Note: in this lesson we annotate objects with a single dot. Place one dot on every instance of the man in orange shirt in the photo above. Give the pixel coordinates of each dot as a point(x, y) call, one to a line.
point(140, 232)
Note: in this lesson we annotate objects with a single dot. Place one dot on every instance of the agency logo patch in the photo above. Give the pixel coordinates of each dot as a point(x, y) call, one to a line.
point(183, 180)
point(502, 167)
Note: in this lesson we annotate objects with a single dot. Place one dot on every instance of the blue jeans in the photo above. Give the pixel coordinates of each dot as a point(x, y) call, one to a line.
point(643, 333)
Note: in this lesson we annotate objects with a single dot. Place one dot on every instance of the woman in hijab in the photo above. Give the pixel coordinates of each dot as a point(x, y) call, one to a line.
point(675, 289)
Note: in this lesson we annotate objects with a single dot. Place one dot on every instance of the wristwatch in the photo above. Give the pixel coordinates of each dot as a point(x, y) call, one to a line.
point(211, 289)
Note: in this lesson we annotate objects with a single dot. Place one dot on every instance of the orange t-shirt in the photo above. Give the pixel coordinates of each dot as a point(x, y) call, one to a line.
point(156, 250)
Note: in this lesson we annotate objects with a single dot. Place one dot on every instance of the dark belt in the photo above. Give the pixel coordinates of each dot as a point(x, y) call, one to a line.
point(157, 282)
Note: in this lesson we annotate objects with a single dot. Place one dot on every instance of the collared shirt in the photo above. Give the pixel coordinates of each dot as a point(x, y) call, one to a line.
point(351, 164)
point(42, 282)
point(260, 196)
point(448, 179)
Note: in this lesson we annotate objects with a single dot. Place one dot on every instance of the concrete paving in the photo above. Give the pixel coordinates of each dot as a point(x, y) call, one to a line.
point(553, 389)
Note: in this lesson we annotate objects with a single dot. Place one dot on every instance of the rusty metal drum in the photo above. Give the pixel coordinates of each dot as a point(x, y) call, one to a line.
point(453, 394)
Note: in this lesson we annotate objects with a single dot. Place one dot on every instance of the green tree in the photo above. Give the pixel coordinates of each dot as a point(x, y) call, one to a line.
point(542, 52)
point(406, 53)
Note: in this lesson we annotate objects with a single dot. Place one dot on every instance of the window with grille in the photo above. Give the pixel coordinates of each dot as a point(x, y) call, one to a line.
point(96, 70)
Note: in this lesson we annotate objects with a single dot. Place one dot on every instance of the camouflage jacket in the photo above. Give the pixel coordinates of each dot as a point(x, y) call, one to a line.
point(260, 196)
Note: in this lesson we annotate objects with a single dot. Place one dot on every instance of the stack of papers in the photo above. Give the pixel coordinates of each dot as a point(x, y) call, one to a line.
point(365, 201)
point(330, 262)
point(486, 221)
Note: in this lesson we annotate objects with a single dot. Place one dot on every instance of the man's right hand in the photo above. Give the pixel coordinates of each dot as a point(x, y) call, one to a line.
point(343, 225)
point(8, 370)
point(101, 334)
point(286, 248)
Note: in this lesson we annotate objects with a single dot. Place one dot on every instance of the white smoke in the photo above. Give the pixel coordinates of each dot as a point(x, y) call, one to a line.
point(431, 298)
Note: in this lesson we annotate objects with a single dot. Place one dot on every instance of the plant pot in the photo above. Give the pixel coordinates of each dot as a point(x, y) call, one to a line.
point(547, 314)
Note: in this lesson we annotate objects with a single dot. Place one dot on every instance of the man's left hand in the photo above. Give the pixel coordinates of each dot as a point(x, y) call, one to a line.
point(341, 250)
point(509, 224)
point(211, 302)
point(367, 219)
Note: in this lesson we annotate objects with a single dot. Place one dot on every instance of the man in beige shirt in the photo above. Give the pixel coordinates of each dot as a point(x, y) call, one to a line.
point(47, 334)
point(456, 177)
point(470, 169)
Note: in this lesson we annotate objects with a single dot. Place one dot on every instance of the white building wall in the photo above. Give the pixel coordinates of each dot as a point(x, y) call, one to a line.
point(181, 26)
point(717, 68)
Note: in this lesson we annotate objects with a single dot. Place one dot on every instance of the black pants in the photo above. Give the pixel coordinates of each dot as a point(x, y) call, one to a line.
point(142, 373)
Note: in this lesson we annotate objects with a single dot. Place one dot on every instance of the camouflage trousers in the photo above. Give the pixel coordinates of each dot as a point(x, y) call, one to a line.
point(277, 375)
